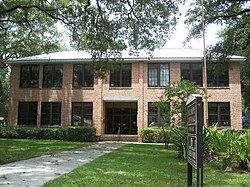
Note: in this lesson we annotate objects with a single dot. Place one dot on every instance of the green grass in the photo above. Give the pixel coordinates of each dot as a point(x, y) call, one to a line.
point(19, 149)
point(144, 166)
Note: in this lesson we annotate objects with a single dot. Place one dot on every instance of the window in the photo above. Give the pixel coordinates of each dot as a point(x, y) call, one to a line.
point(219, 113)
point(52, 75)
point(83, 76)
point(214, 80)
point(192, 72)
point(158, 116)
point(120, 75)
point(158, 74)
point(51, 114)
point(27, 113)
point(82, 113)
point(29, 77)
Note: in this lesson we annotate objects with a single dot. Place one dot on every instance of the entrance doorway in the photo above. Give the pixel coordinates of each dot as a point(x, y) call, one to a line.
point(121, 118)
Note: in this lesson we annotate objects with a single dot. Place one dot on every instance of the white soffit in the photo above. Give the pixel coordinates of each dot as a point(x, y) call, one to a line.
point(120, 98)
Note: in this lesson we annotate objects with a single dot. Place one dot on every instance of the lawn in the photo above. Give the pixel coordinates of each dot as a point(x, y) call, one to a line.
point(142, 166)
point(20, 149)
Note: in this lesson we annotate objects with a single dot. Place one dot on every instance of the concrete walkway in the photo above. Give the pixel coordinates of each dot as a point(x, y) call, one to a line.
point(37, 171)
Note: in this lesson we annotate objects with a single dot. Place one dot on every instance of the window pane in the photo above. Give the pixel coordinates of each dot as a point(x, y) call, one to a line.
point(115, 76)
point(158, 116)
point(22, 113)
point(32, 113)
point(77, 114)
point(58, 76)
point(219, 113)
point(197, 73)
point(48, 76)
point(78, 78)
point(185, 72)
point(88, 113)
point(27, 113)
point(34, 78)
point(223, 79)
point(192, 72)
point(152, 115)
point(25, 77)
point(152, 74)
point(126, 75)
point(45, 114)
point(88, 76)
point(217, 80)
point(82, 113)
point(56, 113)
point(164, 74)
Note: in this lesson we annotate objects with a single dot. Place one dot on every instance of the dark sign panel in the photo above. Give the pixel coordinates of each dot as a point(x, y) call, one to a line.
point(194, 141)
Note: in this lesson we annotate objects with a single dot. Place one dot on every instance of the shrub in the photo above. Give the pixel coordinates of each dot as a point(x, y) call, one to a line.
point(52, 134)
point(231, 147)
point(80, 134)
point(7, 132)
point(155, 135)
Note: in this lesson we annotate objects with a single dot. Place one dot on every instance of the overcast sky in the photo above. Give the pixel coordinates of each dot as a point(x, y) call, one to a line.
point(181, 33)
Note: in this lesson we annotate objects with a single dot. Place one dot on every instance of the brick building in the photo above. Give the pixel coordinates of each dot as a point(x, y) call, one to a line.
point(59, 89)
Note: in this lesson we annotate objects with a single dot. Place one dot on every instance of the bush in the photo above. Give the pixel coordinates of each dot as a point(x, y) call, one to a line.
point(155, 135)
point(7, 132)
point(231, 147)
point(79, 134)
point(179, 139)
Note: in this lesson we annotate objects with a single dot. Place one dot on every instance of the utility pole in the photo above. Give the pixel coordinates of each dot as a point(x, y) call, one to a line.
point(204, 66)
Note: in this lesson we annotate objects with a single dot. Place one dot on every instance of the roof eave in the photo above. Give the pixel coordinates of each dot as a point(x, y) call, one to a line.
point(174, 59)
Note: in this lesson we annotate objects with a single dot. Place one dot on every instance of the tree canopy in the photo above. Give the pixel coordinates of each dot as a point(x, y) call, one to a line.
point(102, 26)
point(234, 38)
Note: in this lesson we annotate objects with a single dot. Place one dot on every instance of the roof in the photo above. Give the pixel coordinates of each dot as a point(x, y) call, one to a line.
point(163, 54)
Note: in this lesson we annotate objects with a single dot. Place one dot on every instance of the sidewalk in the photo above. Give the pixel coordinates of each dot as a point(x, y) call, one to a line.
point(37, 171)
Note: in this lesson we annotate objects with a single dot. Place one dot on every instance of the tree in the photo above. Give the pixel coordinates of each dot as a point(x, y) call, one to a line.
point(234, 38)
point(4, 91)
point(176, 95)
point(173, 103)
point(103, 27)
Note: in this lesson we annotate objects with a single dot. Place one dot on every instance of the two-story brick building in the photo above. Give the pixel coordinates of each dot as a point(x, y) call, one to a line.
point(59, 89)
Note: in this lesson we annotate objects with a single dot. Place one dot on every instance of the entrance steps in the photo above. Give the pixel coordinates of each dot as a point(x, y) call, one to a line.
point(119, 137)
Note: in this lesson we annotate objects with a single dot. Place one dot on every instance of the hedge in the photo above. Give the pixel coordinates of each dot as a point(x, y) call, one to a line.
point(155, 135)
point(78, 134)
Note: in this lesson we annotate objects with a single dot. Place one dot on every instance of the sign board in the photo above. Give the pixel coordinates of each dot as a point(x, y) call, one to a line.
point(194, 137)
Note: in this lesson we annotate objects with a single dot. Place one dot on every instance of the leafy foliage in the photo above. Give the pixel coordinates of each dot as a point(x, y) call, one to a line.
point(177, 94)
point(78, 134)
point(4, 91)
point(155, 135)
point(234, 39)
point(231, 147)
point(179, 139)
point(103, 27)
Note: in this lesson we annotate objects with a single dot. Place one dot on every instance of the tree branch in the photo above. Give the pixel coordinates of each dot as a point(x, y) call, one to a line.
point(46, 11)
point(235, 14)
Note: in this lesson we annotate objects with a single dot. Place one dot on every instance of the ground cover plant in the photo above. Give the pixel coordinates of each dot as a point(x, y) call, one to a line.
point(19, 149)
point(230, 147)
point(143, 165)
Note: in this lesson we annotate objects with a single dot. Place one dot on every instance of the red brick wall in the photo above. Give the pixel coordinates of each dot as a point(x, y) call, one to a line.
point(67, 94)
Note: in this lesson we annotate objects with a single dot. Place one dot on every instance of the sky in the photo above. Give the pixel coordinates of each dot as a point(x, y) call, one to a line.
point(178, 37)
